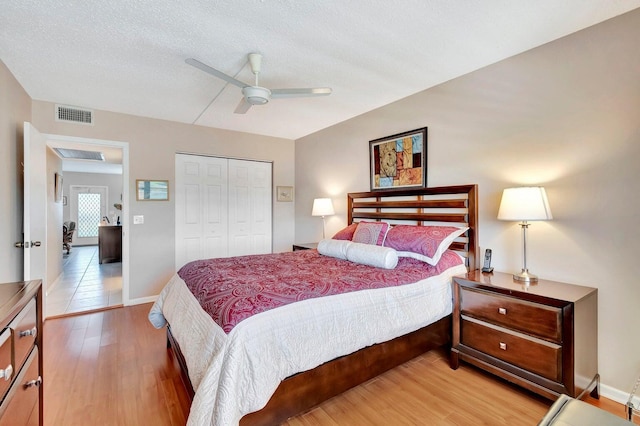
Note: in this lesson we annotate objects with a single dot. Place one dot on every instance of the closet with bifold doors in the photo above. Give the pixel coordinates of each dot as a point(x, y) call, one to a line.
point(223, 207)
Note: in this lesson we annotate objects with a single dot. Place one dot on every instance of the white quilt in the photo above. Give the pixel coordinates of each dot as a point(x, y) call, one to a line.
point(236, 374)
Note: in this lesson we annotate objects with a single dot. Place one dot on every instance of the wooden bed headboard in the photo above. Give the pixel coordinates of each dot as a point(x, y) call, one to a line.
point(453, 205)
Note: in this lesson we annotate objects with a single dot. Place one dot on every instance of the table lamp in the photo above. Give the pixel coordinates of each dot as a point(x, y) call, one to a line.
point(524, 204)
point(322, 207)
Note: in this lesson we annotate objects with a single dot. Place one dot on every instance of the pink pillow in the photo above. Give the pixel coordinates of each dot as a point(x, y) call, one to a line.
point(346, 233)
point(370, 233)
point(425, 243)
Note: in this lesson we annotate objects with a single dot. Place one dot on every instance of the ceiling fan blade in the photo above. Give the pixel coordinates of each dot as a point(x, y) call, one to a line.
point(206, 68)
point(297, 93)
point(243, 107)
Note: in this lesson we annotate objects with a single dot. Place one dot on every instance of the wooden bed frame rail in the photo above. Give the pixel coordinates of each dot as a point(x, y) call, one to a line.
point(303, 391)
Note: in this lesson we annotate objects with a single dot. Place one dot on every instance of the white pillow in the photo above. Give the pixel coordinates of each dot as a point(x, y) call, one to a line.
point(334, 248)
point(372, 255)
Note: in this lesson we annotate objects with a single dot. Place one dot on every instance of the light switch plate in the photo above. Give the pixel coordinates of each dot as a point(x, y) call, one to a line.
point(138, 219)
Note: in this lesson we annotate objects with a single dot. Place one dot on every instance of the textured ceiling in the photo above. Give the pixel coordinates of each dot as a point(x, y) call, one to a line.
point(128, 56)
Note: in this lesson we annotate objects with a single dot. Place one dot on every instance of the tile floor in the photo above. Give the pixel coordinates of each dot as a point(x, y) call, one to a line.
point(85, 284)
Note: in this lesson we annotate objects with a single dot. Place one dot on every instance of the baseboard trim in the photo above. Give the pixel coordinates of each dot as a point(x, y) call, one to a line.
point(141, 300)
point(617, 395)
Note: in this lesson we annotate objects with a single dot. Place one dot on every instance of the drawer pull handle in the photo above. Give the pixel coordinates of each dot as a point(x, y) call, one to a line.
point(31, 383)
point(31, 332)
point(503, 346)
point(37, 382)
point(6, 373)
point(502, 311)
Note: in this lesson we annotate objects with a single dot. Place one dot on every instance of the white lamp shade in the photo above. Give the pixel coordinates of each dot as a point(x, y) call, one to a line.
point(322, 207)
point(524, 203)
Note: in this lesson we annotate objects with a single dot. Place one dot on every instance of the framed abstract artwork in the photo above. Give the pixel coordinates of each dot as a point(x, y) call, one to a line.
point(399, 161)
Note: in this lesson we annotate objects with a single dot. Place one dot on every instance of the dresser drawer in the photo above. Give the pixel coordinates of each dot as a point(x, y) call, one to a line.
point(528, 317)
point(535, 355)
point(24, 332)
point(22, 407)
point(6, 366)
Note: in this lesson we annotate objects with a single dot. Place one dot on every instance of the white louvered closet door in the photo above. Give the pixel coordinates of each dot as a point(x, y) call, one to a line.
point(223, 207)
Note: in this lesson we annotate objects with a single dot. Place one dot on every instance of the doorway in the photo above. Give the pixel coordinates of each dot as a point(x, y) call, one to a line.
point(60, 290)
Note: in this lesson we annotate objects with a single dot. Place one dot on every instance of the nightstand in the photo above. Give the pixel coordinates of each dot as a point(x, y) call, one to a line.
point(543, 337)
point(305, 246)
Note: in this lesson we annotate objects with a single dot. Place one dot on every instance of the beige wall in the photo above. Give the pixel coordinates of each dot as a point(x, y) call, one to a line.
point(54, 220)
point(152, 147)
point(15, 108)
point(565, 115)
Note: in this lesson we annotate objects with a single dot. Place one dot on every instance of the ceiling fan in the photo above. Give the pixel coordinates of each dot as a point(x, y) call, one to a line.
point(256, 94)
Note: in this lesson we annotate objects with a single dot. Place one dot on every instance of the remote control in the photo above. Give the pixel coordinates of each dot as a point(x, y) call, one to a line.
point(486, 267)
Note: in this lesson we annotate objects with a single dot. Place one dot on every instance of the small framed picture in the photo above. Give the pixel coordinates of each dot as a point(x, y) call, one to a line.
point(284, 193)
point(152, 190)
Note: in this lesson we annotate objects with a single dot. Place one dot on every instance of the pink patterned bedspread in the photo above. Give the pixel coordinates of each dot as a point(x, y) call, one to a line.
point(235, 288)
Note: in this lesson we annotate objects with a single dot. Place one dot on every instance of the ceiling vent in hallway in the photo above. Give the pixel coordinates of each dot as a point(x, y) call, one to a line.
point(78, 154)
point(74, 114)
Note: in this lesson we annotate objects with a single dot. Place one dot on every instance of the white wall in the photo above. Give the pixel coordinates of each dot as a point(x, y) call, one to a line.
point(152, 147)
point(565, 115)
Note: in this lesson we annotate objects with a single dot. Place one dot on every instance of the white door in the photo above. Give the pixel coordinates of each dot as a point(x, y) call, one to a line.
point(87, 207)
point(201, 208)
point(35, 204)
point(249, 207)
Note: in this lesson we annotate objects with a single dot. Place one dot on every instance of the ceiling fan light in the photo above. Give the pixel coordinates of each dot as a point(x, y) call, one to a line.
point(257, 100)
point(256, 95)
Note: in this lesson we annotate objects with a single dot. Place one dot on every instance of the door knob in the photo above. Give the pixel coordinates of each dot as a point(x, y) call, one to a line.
point(27, 244)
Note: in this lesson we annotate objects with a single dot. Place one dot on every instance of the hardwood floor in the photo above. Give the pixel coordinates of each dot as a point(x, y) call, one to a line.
point(113, 368)
point(110, 368)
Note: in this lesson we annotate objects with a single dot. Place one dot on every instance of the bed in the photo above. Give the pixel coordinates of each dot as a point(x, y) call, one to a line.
point(282, 352)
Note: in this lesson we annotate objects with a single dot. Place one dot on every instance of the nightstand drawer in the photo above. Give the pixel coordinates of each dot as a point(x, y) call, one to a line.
point(535, 355)
point(528, 317)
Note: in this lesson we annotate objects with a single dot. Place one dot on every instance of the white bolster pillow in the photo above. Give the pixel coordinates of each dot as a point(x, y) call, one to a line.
point(334, 248)
point(372, 255)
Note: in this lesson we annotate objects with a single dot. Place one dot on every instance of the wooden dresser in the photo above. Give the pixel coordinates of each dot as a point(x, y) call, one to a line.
point(21, 391)
point(542, 337)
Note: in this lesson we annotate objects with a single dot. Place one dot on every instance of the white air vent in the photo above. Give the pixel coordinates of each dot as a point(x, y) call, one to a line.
point(77, 154)
point(74, 114)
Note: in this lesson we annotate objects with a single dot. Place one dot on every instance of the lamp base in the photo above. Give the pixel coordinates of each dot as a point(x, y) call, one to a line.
point(526, 277)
